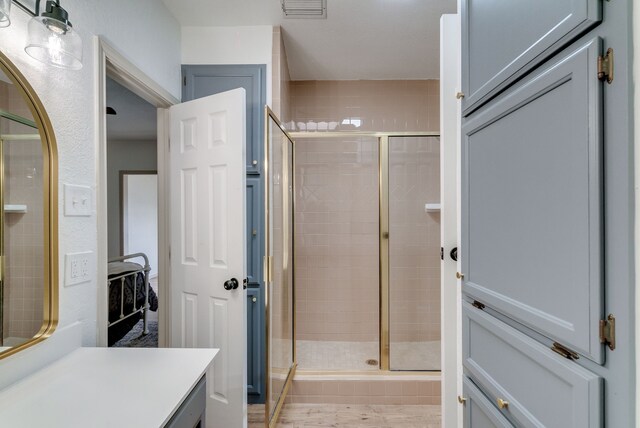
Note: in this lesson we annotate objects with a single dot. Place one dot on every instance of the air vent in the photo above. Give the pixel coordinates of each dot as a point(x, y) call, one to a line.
point(308, 9)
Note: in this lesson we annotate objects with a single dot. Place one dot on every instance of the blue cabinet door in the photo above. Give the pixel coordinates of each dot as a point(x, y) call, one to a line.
point(254, 345)
point(503, 40)
point(254, 231)
point(203, 80)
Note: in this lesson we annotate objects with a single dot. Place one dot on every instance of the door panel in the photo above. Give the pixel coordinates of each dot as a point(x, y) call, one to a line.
point(208, 235)
point(479, 412)
point(204, 80)
point(508, 365)
point(502, 40)
point(253, 230)
point(254, 330)
point(532, 186)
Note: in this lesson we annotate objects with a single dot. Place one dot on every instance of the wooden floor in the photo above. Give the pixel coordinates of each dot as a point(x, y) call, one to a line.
point(347, 416)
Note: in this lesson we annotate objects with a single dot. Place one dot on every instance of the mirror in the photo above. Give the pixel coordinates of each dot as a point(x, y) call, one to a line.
point(28, 216)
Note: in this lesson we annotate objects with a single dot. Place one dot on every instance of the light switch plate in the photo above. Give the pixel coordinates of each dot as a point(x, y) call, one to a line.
point(78, 200)
point(78, 268)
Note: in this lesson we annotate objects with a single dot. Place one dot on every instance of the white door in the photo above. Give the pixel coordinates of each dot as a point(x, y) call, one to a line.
point(207, 153)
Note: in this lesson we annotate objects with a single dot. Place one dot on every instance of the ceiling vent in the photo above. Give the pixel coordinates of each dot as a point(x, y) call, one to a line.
point(308, 9)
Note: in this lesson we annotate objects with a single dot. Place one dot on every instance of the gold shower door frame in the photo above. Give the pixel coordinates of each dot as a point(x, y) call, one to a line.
point(271, 418)
point(383, 183)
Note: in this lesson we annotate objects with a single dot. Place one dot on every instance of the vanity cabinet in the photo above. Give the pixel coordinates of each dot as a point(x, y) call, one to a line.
point(112, 387)
point(547, 208)
point(192, 411)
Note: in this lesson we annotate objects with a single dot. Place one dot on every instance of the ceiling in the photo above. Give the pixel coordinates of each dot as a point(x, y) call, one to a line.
point(360, 39)
point(135, 119)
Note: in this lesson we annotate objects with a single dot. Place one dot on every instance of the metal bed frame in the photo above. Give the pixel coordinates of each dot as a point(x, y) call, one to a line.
point(145, 308)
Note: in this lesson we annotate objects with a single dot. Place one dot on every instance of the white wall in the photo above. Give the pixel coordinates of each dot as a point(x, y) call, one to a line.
point(140, 209)
point(230, 45)
point(145, 33)
point(124, 156)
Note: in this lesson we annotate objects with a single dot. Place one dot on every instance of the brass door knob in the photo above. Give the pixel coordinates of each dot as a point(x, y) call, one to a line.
point(461, 399)
point(459, 275)
point(460, 95)
point(502, 404)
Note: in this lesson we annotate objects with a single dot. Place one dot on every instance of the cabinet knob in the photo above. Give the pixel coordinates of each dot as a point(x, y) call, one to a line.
point(254, 299)
point(459, 275)
point(462, 400)
point(254, 232)
point(254, 162)
point(502, 404)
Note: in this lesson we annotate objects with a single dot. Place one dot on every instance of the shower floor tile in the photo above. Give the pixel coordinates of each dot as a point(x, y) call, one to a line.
point(329, 355)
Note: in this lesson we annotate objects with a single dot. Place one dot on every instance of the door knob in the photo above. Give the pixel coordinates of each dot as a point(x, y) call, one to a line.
point(231, 284)
point(459, 275)
point(462, 400)
point(502, 404)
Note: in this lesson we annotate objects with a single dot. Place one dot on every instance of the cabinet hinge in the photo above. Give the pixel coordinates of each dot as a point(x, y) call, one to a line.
point(478, 305)
point(184, 80)
point(608, 332)
point(564, 351)
point(605, 66)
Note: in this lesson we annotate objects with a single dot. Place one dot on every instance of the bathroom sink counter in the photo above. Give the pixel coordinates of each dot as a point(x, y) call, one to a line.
point(105, 387)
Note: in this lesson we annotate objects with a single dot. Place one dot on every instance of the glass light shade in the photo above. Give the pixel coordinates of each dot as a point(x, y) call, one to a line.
point(54, 42)
point(5, 8)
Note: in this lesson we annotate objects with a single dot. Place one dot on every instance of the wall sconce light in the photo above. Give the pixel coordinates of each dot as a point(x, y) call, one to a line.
point(51, 37)
point(5, 8)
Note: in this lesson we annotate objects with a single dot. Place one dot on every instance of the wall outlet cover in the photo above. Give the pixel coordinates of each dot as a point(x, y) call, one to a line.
point(78, 200)
point(78, 268)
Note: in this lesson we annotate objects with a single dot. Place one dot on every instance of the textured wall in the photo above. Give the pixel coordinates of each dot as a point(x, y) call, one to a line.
point(145, 33)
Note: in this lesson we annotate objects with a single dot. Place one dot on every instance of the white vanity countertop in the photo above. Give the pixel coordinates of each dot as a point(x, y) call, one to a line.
point(105, 387)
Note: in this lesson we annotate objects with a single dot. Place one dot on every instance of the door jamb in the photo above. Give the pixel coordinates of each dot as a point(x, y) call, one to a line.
point(109, 62)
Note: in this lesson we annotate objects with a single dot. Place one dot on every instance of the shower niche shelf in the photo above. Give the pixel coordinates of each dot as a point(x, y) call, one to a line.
point(15, 209)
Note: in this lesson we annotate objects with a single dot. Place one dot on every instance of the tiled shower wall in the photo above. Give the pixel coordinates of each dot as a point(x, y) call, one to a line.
point(365, 105)
point(414, 240)
point(336, 239)
point(23, 240)
point(337, 214)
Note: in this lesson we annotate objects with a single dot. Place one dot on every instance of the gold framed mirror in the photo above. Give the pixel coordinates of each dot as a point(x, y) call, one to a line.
point(28, 215)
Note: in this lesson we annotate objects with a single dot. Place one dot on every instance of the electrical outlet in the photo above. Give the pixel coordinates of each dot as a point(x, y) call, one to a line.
point(78, 268)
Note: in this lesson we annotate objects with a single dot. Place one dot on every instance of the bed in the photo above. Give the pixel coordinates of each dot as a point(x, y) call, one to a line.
point(130, 297)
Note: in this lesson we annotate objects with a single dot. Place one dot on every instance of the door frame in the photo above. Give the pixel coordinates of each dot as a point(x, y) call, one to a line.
point(109, 62)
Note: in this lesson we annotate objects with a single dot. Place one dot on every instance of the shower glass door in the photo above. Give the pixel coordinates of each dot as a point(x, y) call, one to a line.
point(414, 253)
point(279, 273)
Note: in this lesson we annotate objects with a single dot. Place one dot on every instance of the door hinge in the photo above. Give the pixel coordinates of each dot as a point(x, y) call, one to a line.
point(564, 351)
point(478, 305)
point(605, 66)
point(267, 268)
point(608, 332)
point(441, 253)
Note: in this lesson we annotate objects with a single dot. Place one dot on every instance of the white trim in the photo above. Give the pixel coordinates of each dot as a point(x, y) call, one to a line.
point(109, 62)
point(450, 114)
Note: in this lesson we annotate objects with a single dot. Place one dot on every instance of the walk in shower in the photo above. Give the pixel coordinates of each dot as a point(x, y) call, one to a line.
point(367, 252)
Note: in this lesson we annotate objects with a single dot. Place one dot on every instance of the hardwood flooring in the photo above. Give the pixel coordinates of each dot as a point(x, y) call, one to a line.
point(348, 416)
